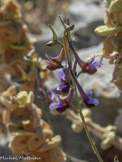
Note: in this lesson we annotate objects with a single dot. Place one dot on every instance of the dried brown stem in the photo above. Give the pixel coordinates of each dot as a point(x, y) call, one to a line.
point(96, 129)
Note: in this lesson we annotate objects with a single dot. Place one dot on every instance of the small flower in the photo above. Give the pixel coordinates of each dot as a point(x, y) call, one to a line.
point(90, 67)
point(54, 63)
point(64, 78)
point(90, 102)
point(87, 67)
point(63, 104)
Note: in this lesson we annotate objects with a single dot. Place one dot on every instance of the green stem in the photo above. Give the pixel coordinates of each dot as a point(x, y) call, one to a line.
point(79, 73)
point(85, 126)
point(44, 104)
point(46, 114)
point(89, 137)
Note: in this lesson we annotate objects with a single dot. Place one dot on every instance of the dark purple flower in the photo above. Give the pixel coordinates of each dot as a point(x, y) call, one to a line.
point(54, 63)
point(90, 67)
point(87, 67)
point(63, 87)
point(63, 104)
point(90, 102)
point(64, 78)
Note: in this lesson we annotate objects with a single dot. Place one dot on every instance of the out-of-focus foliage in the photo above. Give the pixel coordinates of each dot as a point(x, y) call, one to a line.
point(14, 42)
point(113, 43)
point(32, 135)
point(38, 13)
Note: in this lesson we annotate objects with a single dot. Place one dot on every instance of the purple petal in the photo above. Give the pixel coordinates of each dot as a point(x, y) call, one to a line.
point(51, 65)
point(60, 107)
point(90, 102)
point(60, 101)
point(89, 94)
point(54, 105)
point(63, 87)
point(61, 76)
point(92, 60)
point(97, 64)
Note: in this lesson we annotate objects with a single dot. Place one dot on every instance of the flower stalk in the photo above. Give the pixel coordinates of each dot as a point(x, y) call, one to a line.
point(89, 137)
point(85, 125)
point(88, 67)
point(66, 49)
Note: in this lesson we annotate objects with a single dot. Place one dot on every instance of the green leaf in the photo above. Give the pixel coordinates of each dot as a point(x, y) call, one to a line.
point(116, 6)
point(105, 30)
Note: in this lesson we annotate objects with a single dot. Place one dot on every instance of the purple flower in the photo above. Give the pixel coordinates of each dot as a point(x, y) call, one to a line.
point(54, 63)
point(90, 102)
point(63, 104)
point(87, 67)
point(64, 78)
point(90, 67)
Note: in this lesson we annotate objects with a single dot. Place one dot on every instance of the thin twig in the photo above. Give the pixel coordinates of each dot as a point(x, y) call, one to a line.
point(96, 129)
point(94, 148)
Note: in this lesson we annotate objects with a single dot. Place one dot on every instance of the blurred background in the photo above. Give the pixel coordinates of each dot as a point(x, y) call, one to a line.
point(86, 15)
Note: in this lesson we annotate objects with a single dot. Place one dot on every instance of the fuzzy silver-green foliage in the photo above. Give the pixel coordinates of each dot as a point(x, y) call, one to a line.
point(104, 30)
point(113, 7)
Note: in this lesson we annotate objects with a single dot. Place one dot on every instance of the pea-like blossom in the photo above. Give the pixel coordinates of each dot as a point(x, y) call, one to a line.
point(90, 67)
point(87, 67)
point(54, 63)
point(64, 78)
point(87, 98)
point(63, 104)
point(90, 102)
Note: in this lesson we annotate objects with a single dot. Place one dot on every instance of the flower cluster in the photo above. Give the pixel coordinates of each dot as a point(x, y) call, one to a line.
point(68, 77)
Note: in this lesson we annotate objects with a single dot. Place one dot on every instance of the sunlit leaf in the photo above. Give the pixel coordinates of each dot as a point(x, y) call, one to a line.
point(105, 30)
point(116, 6)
